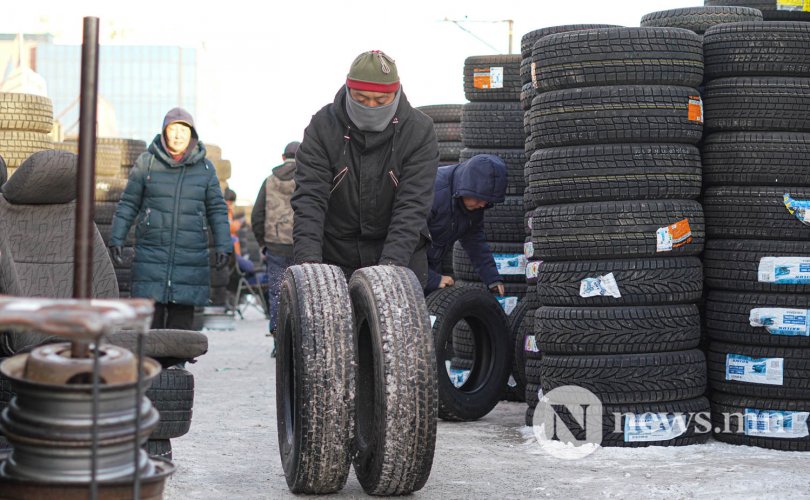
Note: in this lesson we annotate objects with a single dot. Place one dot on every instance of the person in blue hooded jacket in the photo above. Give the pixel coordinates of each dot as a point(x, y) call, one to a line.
point(462, 193)
point(173, 197)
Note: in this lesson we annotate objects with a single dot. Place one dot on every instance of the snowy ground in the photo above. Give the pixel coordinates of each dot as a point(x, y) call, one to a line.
point(232, 449)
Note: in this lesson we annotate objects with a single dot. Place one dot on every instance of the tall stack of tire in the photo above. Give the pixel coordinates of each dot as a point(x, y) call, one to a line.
point(492, 123)
point(526, 354)
point(772, 10)
point(114, 159)
point(757, 255)
point(615, 174)
point(447, 124)
point(25, 124)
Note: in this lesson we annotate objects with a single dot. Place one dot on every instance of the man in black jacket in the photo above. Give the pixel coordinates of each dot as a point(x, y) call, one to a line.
point(364, 183)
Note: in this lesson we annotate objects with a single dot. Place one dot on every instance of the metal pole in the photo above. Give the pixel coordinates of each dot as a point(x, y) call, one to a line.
point(83, 247)
point(83, 242)
point(511, 25)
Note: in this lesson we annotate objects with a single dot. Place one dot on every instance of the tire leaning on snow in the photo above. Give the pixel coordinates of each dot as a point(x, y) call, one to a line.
point(396, 397)
point(315, 383)
point(492, 350)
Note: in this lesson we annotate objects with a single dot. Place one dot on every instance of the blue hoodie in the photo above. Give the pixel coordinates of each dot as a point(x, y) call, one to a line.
point(482, 177)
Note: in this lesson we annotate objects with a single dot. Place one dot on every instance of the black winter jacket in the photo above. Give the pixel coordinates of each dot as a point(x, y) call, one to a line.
point(352, 186)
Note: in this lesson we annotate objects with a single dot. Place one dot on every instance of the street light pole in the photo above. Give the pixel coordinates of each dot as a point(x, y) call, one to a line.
point(457, 22)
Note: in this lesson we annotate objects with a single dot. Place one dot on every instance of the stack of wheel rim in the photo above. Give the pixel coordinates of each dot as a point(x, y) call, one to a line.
point(615, 174)
point(114, 160)
point(25, 124)
point(699, 19)
point(447, 124)
point(772, 10)
point(219, 277)
point(492, 123)
point(757, 259)
point(522, 321)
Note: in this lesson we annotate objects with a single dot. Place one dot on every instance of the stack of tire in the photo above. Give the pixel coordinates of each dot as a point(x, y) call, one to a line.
point(492, 123)
point(615, 174)
point(521, 321)
point(699, 19)
point(25, 124)
point(756, 157)
point(447, 124)
point(219, 277)
point(114, 160)
point(772, 10)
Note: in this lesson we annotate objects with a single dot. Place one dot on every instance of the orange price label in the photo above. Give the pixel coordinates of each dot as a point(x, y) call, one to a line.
point(695, 109)
point(482, 78)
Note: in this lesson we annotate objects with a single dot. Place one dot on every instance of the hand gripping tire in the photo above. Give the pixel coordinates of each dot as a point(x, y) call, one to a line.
point(396, 397)
point(315, 378)
point(492, 358)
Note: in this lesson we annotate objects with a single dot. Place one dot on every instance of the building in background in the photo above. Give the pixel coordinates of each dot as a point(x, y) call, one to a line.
point(137, 85)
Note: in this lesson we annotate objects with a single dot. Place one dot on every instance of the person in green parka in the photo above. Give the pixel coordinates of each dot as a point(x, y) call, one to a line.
point(173, 197)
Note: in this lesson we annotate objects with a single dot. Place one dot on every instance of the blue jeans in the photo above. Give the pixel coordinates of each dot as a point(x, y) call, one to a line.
point(276, 265)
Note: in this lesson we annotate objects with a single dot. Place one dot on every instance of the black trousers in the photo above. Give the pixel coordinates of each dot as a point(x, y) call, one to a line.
point(172, 316)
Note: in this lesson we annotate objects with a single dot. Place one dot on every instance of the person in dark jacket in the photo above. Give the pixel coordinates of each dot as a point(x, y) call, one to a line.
point(365, 175)
point(272, 223)
point(173, 196)
point(462, 193)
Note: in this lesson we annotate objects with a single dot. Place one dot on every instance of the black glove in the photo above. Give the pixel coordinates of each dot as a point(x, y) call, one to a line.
point(221, 260)
point(117, 254)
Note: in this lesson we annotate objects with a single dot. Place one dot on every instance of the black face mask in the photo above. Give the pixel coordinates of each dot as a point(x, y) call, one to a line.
point(371, 119)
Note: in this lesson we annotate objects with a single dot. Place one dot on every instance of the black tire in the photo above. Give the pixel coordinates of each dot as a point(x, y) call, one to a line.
point(448, 132)
point(758, 103)
point(315, 386)
point(693, 414)
point(795, 383)
point(749, 212)
point(529, 39)
point(476, 78)
point(727, 316)
point(109, 189)
point(521, 320)
point(449, 151)
point(396, 364)
point(504, 221)
point(728, 420)
point(758, 49)
point(769, 8)
point(518, 290)
point(734, 264)
point(527, 95)
point(173, 424)
point(617, 330)
point(502, 252)
point(160, 448)
point(523, 341)
point(608, 229)
point(525, 72)
point(442, 113)
point(615, 114)
point(20, 111)
point(532, 395)
point(515, 160)
point(493, 125)
point(677, 280)
point(172, 390)
point(105, 230)
point(756, 159)
point(629, 378)
point(618, 56)
point(124, 277)
point(700, 19)
point(529, 417)
point(492, 364)
point(104, 211)
point(605, 172)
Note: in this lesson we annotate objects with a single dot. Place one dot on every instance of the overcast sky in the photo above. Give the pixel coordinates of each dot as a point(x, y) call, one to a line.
point(269, 69)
